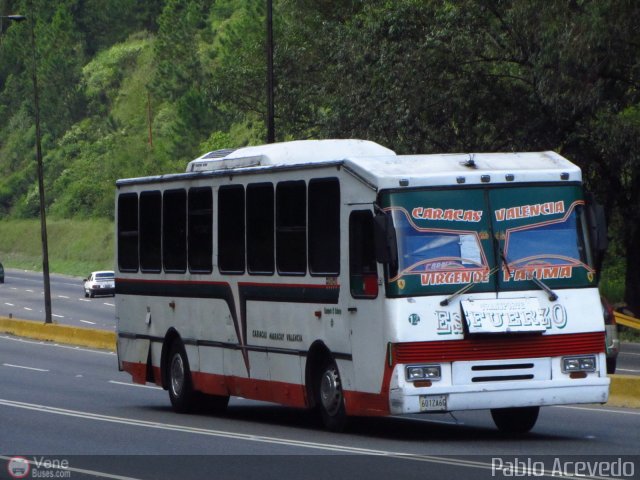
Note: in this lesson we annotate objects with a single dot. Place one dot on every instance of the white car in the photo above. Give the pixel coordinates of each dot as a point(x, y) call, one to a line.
point(100, 283)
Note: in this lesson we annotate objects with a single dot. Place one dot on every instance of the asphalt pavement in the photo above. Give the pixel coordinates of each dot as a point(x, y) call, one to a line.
point(71, 405)
point(22, 297)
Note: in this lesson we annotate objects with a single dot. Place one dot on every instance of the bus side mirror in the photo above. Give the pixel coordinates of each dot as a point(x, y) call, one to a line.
point(597, 232)
point(385, 239)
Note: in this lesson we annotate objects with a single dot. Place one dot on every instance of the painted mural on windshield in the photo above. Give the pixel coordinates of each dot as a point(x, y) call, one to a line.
point(488, 238)
point(543, 240)
point(442, 241)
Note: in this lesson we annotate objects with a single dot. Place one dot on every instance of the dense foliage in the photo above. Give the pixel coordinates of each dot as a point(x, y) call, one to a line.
point(130, 88)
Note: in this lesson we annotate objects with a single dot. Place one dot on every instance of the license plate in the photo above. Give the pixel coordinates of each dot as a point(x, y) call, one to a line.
point(433, 403)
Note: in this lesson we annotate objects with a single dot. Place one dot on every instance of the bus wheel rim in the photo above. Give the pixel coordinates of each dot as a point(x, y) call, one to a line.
point(177, 375)
point(330, 391)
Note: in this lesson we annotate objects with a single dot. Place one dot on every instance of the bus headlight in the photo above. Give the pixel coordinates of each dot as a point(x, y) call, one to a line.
point(423, 372)
point(583, 363)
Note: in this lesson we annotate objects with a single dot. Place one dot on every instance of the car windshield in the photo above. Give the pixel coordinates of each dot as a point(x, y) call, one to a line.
point(451, 238)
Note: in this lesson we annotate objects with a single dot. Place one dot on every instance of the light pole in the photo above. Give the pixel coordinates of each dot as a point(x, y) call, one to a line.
point(11, 18)
point(271, 129)
point(43, 217)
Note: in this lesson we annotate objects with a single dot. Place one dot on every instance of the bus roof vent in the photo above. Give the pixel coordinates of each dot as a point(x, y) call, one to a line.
point(294, 153)
point(218, 153)
point(218, 160)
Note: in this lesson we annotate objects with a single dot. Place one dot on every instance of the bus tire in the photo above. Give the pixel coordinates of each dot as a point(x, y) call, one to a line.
point(330, 397)
point(215, 404)
point(515, 420)
point(611, 365)
point(181, 393)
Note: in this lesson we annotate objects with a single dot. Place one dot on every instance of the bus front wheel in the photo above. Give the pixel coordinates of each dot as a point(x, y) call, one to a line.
point(330, 397)
point(181, 391)
point(515, 420)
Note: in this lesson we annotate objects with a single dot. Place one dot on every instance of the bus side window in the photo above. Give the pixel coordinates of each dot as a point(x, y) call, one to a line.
point(200, 236)
point(291, 228)
point(128, 232)
point(260, 226)
point(363, 269)
point(231, 229)
point(174, 230)
point(324, 227)
point(150, 231)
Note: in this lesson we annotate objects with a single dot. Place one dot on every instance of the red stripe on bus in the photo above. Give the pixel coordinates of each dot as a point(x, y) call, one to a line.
point(370, 404)
point(499, 348)
point(376, 404)
point(138, 371)
point(289, 394)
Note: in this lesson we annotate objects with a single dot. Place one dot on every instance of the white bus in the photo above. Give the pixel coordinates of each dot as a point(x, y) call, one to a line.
point(338, 276)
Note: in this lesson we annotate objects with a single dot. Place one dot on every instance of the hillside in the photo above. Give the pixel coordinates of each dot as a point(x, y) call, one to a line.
point(130, 88)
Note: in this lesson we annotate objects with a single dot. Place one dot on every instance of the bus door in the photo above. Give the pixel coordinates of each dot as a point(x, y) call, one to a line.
point(364, 302)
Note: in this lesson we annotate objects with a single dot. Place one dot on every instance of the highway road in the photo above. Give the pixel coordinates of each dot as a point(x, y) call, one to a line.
point(22, 296)
point(70, 407)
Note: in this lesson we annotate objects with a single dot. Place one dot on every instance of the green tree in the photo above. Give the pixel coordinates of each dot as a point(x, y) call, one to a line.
point(106, 22)
point(60, 57)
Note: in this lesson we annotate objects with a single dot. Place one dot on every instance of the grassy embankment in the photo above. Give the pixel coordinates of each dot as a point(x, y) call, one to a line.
point(76, 247)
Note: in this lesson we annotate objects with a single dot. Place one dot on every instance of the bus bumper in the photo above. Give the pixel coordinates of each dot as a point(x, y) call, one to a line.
point(445, 395)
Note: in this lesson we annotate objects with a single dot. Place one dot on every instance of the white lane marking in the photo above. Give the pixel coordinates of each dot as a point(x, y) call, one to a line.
point(87, 321)
point(57, 345)
point(29, 290)
point(25, 368)
point(27, 308)
point(62, 296)
point(57, 316)
point(135, 385)
point(84, 300)
point(592, 409)
point(133, 422)
point(93, 473)
point(10, 304)
point(630, 353)
point(627, 370)
point(109, 304)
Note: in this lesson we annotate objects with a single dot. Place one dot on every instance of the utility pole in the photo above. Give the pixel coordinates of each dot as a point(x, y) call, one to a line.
point(43, 215)
point(271, 129)
point(40, 167)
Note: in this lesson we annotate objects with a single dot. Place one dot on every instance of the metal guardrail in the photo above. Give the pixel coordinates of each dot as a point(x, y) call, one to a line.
point(627, 320)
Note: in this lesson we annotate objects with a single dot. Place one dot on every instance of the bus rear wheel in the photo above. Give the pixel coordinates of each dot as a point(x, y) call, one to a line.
point(181, 393)
point(515, 420)
point(330, 397)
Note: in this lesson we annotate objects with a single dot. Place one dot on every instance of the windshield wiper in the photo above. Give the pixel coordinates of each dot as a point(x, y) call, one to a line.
point(552, 295)
point(465, 289)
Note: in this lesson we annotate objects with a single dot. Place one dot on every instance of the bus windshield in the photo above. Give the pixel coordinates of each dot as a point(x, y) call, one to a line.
point(500, 238)
point(542, 234)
